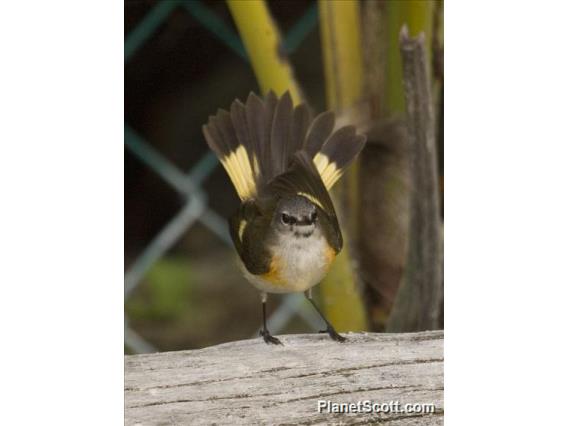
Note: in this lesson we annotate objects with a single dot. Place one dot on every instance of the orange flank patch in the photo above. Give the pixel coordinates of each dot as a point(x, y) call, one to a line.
point(273, 275)
point(330, 255)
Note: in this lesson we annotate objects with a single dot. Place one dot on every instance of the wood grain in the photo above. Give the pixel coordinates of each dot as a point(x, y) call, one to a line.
point(249, 382)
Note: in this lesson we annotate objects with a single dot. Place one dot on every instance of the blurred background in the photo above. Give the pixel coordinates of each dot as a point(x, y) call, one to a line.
point(186, 59)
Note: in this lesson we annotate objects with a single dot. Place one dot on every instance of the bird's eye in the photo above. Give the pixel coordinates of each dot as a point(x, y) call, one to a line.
point(287, 219)
point(313, 217)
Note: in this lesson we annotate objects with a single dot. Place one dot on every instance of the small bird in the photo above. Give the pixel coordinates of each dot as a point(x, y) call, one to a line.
point(282, 165)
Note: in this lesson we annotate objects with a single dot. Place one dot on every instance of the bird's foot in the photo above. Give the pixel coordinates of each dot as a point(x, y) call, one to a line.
point(334, 334)
point(268, 338)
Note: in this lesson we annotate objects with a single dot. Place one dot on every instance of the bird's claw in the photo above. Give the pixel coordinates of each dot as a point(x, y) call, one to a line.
point(334, 334)
point(269, 339)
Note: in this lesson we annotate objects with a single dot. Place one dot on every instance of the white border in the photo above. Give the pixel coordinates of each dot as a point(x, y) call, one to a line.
point(61, 168)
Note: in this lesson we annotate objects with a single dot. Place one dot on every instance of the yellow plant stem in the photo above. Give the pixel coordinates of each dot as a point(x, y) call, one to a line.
point(343, 66)
point(264, 46)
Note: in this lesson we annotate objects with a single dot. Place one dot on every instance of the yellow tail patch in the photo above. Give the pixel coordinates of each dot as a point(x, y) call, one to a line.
point(240, 171)
point(328, 171)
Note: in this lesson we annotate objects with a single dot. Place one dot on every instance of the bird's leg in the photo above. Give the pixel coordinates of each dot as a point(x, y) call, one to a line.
point(329, 328)
point(268, 338)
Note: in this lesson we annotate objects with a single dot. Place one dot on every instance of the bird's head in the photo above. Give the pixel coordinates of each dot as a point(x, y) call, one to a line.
point(295, 215)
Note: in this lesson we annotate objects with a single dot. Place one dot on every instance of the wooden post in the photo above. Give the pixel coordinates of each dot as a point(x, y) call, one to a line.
point(418, 303)
point(249, 382)
point(385, 171)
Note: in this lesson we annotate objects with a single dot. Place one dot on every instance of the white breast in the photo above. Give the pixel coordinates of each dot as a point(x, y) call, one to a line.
point(303, 264)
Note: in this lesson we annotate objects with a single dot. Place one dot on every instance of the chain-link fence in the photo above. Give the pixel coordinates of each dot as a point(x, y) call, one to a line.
point(189, 185)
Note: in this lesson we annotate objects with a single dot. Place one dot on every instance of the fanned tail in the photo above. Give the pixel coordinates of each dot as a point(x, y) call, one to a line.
point(256, 141)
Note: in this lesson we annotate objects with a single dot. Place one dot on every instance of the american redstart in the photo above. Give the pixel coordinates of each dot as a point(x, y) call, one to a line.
point(282, 165)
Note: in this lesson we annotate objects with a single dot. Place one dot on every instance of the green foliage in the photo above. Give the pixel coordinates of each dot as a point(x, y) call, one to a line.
point(165, 293)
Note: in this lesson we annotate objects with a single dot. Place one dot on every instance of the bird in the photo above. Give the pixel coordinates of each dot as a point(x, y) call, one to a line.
point(282, 164)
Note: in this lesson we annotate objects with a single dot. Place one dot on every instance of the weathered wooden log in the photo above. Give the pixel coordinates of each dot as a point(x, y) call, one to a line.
point(249, 382)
